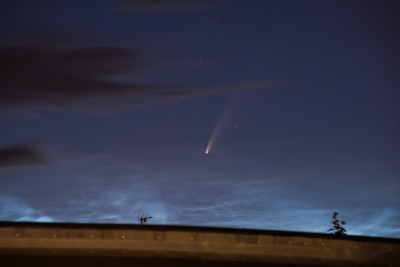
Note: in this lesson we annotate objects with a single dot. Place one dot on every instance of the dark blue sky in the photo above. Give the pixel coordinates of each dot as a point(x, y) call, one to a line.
point(107, 108)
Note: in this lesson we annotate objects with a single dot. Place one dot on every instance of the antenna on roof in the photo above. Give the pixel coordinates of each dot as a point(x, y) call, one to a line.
point(143, 218)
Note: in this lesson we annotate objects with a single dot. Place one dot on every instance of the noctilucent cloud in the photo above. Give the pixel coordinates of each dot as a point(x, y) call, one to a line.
point(248, 114)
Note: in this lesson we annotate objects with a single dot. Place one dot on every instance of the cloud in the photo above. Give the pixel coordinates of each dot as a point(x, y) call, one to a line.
point(38, 33)
point(111, 188)
point(53, 76)
point(44, 66)
point(20, 154)
point(162, 5)
point(43, 75)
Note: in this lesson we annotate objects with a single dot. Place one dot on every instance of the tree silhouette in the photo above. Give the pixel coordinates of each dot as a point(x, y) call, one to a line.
point(337, 228)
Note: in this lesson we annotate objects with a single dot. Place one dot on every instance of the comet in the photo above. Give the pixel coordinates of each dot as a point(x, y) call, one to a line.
point(208, 148)
point(228, 111)
point(220, 125)
point(214, 135)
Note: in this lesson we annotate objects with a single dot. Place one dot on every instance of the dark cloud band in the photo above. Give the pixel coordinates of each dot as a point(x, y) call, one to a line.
point(162, 5)
point(20, 154)
point(43, 75)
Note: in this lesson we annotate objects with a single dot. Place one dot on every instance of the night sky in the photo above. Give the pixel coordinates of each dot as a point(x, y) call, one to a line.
point(107, 110)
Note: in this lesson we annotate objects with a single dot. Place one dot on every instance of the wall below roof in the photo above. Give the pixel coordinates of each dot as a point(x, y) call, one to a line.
point(52, 244)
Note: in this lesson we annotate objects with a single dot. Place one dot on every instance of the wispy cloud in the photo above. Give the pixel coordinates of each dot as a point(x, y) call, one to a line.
point(55, 76)
point(38, 33)
point(13, 209)
point(57, 69)
point(52, 76)
point(20, 154)
point(163, 5)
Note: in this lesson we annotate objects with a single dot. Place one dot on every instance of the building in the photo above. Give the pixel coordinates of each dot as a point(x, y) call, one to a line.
point(72, 244)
